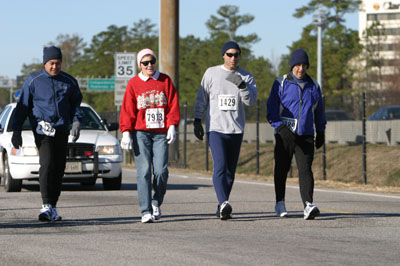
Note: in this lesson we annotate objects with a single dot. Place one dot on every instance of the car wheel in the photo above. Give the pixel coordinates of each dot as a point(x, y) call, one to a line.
point(112, 183)
point(10, 184)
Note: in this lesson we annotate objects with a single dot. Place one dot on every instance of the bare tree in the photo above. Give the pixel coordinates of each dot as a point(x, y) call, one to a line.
point(71, 46)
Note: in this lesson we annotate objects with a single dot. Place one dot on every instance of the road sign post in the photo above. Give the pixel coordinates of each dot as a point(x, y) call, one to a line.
point(125, 69)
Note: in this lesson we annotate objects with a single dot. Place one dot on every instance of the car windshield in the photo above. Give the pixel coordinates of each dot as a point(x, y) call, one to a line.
point(386, 113)
point(90, 121)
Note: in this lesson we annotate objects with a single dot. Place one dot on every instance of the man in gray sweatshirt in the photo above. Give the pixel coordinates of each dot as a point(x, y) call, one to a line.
point(223, 92)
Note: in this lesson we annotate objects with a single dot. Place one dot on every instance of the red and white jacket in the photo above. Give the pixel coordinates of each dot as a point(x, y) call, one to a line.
point(149, 104)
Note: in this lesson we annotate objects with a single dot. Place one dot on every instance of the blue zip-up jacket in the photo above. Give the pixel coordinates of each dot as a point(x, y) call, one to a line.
point(53, 99)
point(300, 109)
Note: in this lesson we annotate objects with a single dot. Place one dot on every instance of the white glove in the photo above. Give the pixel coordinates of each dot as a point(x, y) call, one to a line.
point(171, 134)
point(126, 141)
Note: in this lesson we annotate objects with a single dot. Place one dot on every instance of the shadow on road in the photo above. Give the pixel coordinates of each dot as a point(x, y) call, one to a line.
point(237, 217)
point(69, 223)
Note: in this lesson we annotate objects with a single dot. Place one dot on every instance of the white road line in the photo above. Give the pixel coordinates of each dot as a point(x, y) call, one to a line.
point(296, 187)
point(290, 186)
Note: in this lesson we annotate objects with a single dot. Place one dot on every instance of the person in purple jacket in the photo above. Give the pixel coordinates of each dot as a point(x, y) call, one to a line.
point(294, 109)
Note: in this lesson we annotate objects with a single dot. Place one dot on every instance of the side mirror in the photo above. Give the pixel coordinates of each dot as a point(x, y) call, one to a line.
point(113, 126)
point(104, 121)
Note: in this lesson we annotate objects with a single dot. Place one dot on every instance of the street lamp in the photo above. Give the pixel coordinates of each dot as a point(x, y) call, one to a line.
point(320, 20)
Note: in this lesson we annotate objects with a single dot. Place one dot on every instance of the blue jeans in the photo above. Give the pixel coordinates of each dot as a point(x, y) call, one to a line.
point(225, 150)
point(151, 152)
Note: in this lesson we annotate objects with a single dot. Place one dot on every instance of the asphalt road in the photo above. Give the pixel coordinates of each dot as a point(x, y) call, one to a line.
point(103, 227)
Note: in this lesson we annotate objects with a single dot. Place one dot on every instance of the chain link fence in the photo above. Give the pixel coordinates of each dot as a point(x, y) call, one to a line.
point(357, 149)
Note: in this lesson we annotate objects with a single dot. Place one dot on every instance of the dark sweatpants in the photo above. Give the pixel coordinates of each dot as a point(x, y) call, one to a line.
point(304, 154)
point(52, 158)
point(225, 150)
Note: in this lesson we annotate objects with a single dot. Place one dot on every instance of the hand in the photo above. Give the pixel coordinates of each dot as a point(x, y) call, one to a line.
point(16, 139)
point(320, 139)
point(237, 80)
point(198, 129)
point(126, 141)
point(171, 134)
point(287, 136)
point(75, 131)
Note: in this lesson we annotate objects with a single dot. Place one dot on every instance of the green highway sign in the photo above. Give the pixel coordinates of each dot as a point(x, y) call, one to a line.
point(101, 84)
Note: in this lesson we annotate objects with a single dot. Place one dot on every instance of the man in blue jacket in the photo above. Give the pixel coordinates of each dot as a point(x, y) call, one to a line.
point(51, 99)
point(294, 107)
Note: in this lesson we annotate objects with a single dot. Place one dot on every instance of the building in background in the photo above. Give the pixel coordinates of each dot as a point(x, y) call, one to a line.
point(381, 19)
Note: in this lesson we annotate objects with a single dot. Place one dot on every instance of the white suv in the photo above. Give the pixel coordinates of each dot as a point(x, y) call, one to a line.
point(96, 154)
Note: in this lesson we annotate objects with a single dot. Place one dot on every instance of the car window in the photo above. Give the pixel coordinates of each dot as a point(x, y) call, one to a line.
point(394, 113)
point(377, 115)
point(4, 116)
point(25, 126)
point(90, 120)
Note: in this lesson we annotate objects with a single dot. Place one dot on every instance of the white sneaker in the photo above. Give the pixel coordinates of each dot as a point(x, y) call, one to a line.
point(225, 211)
point(156, 212)
point(280, 209)
point(46, 213)
point(310, 211)
point(147, 218)
point(54, 214)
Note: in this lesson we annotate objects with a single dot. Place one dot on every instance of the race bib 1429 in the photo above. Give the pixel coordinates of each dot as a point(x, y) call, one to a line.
point(227, 102)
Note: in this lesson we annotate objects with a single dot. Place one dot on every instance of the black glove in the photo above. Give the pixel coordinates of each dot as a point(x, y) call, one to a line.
point(320, 139)
point(198, 129)
point(16, 139)
point(76, 127)
point(287, 136)
point(237, 80)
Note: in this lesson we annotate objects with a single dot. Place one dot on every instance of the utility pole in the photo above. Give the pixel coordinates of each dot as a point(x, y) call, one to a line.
point(319, 21)
point(319, 46)
point(169, 52)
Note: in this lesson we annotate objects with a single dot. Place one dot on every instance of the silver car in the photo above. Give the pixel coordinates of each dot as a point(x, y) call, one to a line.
point(96, 154)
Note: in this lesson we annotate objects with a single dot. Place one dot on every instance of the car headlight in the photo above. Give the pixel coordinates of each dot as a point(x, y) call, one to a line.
point(108, 150)
point(25, 151)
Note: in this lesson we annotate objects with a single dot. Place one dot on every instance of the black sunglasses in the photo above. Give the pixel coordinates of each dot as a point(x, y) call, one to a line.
point(236, 55)
point(145, 63)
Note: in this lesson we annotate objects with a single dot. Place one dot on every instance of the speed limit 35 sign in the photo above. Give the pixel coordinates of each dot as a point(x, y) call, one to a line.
point(125, 69)
point(125, 65)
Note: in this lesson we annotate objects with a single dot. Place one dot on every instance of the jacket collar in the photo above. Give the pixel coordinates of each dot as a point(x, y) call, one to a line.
point(48, 75)
point(306, 78)
point(145, 78)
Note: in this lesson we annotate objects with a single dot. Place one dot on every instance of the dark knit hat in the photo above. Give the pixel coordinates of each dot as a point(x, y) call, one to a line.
point(230, 45)
point(51, 52)
point(298, 56)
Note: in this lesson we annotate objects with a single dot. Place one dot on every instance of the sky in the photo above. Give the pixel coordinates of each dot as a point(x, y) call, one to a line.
point(26, 26)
